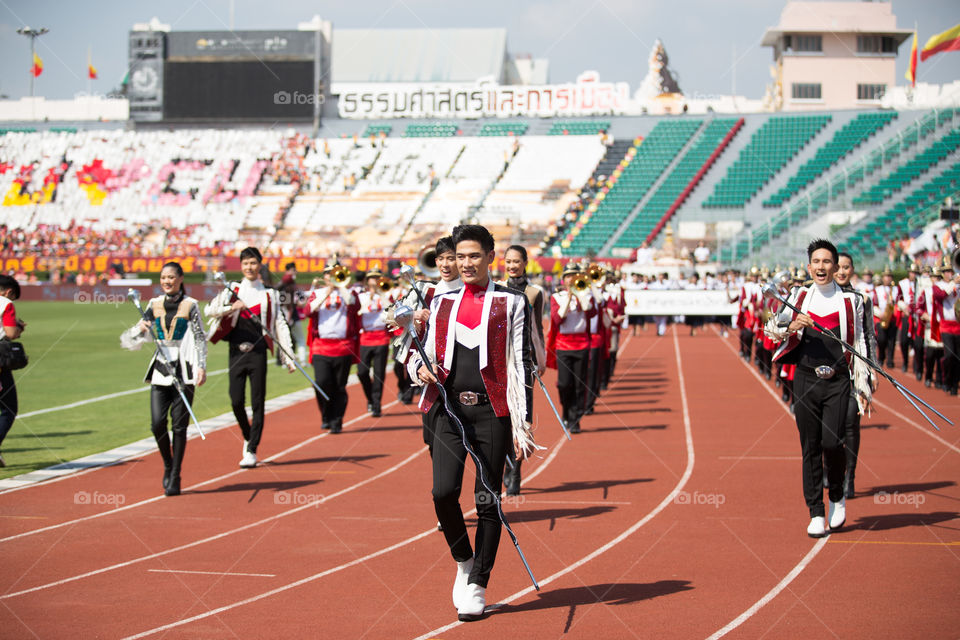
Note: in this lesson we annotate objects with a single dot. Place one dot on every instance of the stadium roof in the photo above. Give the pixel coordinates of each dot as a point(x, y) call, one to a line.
point(418, 55)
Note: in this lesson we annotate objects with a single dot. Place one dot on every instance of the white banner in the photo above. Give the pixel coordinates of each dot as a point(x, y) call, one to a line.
point(587, 96)
point(680, 302)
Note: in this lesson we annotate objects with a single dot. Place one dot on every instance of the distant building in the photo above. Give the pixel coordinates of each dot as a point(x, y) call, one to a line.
point(833, 55)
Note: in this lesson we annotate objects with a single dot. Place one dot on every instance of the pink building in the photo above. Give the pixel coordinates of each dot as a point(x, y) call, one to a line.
point(833, 55)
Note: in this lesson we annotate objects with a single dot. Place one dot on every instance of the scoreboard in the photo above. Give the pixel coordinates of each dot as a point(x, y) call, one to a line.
point(212, 76)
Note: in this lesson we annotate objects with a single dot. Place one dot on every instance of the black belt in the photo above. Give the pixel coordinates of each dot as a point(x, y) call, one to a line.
point(825, 372)
point(470, 398)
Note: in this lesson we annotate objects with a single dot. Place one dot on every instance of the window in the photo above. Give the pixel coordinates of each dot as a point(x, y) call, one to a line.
point(808, 43)
point(876, 44)
point(870, 91)
point(805, 91)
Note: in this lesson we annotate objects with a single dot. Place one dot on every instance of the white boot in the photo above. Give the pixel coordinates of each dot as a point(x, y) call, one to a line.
point(817, 527)
point(838, 514)
point(460, 584)
point(473, 603)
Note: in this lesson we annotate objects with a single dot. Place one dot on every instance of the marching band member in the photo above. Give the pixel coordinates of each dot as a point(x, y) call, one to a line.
point(568, 344)
point(930, 310)
point(333, 337)
point(178, 325)
point(885, 297)
point(851, 437)
point(12, 328)
point(446, 260)
point(950, 327)
point(515, 264)
point(479, 341)
point(616, 304)
point(374, 341)
point(823, 379)
point(599, 324)
point(232, 316)
point(907, 300)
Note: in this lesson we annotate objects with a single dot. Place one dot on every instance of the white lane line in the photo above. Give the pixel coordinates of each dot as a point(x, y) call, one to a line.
point(758, 457)
point(214, 573)
point(224, 534)
point(773, 593)
point(230, 474)
point(432, 531)
point(798, 569)
point(108, 396)
point(637, 525)
point(917, 426)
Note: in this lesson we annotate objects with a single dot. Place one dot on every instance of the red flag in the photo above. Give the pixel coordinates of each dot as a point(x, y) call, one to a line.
point(912, 69)
point(37, 67)
point(91, 72)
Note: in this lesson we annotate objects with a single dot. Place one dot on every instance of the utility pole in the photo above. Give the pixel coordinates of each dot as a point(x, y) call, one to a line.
point(33, 34)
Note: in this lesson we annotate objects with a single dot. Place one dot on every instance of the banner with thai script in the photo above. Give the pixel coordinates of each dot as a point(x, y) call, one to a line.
point(680, 302)
point(585, 97)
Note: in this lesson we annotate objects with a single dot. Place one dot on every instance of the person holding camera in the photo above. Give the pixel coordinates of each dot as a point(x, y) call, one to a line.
point(12, 328)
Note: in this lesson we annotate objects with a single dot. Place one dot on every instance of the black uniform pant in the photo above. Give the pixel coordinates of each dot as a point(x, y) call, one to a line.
point(490, 438)
point(746, 343)
point(886, 339)
point(851, 436)
point(405, 387)
point(821, 412)
point(903, 337)
point(8, 402)
point(430, 423)
point(593, 376)
point(252, 365)
point(572, 383)
point(331, 374)
point(918, 357)
point(951, 361)
point(166, 400)
point(373, 360)
point(932, 357)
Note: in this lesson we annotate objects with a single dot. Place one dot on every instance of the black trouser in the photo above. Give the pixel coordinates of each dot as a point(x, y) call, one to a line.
point(886, 339)
point(593, 377)
point(571, 383)
point(8, 402)
point(375, 358)
point(331, 374)
point(405, 388)
point(430, 423)
point(821, 412)
point(166, 399)
point(932, 370)
point(918, 358)
point(851, 436)
point(253, 365)
point(611, 367)
point(903, 337)
point(490, 438)
point(951, 360)
point(511, 478)
point(746, 343)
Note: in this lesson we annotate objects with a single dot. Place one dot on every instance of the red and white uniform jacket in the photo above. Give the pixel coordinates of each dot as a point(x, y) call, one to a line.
point(949, 322)
point(260, 302)
point(930, 302)
point(333, 327)
point(906, 305)
point(569, 327)
point(373, 321)
point(500, 333)
point(599, 323)
point(884, 295)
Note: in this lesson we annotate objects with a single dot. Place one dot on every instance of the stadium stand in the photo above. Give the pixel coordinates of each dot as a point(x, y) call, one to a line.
point(578, 127)
point(771, 147)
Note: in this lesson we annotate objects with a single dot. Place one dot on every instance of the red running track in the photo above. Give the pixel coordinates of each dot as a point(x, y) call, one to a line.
point(676, 513)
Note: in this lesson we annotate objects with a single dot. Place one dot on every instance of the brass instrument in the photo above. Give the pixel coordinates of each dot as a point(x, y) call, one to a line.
point(595, 272)
point(887, 316)
point(384, 284)
point(580, 283)
point(955, 260)
point(340, 274)
point(427, 261)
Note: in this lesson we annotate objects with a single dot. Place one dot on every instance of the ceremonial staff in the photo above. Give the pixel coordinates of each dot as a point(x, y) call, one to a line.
point(219, 277)
point(770, 291)
point(161, 357)
point(404, 317)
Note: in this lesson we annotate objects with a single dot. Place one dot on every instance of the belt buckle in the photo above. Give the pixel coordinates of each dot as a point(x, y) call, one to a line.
point(468, 398)
point(245, 347)
point(824, 372)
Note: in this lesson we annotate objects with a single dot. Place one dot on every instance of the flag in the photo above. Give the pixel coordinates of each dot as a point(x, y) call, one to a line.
point(949, 40)
point(37, 67)
point(91, 70)
point(912, 68)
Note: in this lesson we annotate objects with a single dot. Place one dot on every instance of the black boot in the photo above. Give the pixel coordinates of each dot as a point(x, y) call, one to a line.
point(179, 448)
point(849, 492)
point(336, 426)
point(163, 444)
point(375, 411)
point(511, 480)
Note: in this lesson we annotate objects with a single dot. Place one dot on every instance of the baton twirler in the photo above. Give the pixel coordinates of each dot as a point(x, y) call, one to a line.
point(219, 277)
point(404, 317)
point(161, 358)
point(770, 291)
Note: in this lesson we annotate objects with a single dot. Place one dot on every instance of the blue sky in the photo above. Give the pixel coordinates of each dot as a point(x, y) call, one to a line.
point(611, 36)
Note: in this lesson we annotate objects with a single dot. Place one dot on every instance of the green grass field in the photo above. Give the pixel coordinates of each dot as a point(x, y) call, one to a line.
point(75, 355)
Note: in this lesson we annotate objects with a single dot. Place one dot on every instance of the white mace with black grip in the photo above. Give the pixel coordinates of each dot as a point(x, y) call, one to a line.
point(161, 357)
point(219, 277)
point(404, 317)
point(770, 291)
